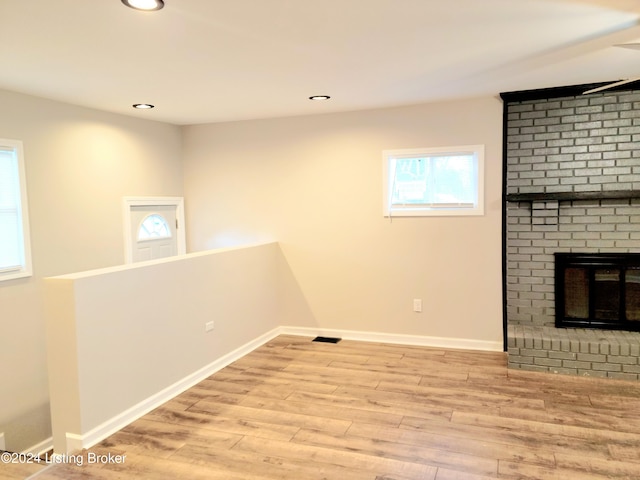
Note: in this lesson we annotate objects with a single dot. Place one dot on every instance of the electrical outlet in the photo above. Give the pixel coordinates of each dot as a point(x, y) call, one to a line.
point(417, 304)
point(208, 326)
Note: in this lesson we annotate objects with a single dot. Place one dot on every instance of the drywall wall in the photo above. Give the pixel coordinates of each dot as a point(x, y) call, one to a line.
point(79, 164)
point(120, 336)
point(314, 184)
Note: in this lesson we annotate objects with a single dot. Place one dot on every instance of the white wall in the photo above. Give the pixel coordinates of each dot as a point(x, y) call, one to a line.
point(79, 164)
point(314, 184)
point(118, 338)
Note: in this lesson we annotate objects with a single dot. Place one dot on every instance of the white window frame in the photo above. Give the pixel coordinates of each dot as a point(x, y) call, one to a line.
point(24, 269)
point(388, 159)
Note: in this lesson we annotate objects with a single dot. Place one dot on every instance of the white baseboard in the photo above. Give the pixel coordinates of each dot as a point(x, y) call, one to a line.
point(417, 340)
point(41, 447)
point(76, 442)
point(37, 449)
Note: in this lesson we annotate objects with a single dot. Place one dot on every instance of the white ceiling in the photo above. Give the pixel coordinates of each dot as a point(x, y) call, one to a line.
point(203, 61)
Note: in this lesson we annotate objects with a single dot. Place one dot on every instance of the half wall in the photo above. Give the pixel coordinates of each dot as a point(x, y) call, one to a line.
point(123, 340)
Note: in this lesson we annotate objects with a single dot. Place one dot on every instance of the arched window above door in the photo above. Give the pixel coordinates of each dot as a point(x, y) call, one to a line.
point(153, 227)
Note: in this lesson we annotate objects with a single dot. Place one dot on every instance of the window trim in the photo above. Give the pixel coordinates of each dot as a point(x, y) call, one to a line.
point(25, 269)
point(428, 211)
point(130, 237)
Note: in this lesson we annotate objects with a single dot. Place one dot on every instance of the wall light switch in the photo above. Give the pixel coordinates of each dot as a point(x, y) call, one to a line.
point(208, 326)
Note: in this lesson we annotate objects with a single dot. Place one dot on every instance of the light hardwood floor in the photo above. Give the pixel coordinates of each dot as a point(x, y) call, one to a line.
point(296, 409)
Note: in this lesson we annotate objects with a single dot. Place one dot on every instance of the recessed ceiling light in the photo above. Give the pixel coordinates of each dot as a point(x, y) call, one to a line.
point(319, 97)
point(143, 106)
point(147, 5)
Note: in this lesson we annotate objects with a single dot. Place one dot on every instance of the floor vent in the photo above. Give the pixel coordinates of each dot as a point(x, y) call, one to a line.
point(326, 339)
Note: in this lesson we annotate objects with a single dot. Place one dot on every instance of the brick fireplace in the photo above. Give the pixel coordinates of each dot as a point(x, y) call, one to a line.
point(572, 185)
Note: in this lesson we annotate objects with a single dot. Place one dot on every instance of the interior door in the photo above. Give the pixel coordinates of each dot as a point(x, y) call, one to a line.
point(154, 230)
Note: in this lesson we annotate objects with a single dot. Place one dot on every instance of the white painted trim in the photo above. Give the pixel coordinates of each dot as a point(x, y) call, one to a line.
point(128, 202)
point(26, 269)
point(41, 447)
point(99, 433)
point(422, 211)
point(37, 449)
point(417, 340)
point(76, 442)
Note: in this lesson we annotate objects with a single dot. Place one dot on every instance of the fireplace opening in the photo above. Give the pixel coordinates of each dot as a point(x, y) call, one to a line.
point(598, 290)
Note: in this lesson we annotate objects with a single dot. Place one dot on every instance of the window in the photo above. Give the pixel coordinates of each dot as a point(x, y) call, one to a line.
point(15, 254)
point(154, 227)
point(434, 181)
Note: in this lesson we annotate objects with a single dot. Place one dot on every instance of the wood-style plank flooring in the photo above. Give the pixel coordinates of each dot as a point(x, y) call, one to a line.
point(296, 409)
